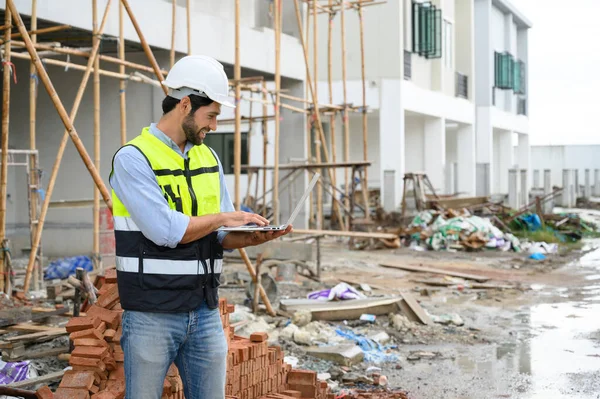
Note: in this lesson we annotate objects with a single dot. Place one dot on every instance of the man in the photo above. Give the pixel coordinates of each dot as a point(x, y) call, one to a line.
point(169, 198)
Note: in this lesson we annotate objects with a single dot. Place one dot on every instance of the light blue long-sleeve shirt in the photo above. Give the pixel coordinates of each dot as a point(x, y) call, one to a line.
point(135, 184)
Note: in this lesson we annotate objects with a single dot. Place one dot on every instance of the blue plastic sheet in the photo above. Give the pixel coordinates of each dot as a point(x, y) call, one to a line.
point(374, 352)
point(532, 221)
point(65, 267)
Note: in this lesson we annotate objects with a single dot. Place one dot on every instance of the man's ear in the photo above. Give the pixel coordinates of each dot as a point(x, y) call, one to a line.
point(185, 105)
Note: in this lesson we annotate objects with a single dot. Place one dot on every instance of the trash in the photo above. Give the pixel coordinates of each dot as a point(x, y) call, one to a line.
point(341, 291)
point(542, 247)
point(537, 256)
point(417, 355)
point(368, 317)
point(65, 267)
point(288, 332)
point(15, 372)
point(323, 376)
point(374, 352)
point(400, 322)
point(291, 360)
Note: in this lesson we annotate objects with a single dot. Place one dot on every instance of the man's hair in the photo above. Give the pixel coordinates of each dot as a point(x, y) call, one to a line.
point(169, 103)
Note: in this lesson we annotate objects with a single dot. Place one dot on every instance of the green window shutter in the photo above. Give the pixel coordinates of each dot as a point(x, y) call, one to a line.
point(416, 38)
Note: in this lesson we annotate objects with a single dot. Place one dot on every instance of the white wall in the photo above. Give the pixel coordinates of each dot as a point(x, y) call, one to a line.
point(212, 30)
point(415, 143)
point(557, 158)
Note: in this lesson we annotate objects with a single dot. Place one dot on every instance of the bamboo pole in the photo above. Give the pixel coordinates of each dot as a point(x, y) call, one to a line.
point(345, 117)
point(332, 118)
point(7, 66)
point(237, 136)
point(96, 209)
point(309, 126)
point(318, 142)
point(278, 13)
point(38, 31)
point(252, 272)
point(188, 11)
point(145, 45)
point(364, 94)
point(34, 177)
point(85, 54)
point(265, 130)
point(309, 82)
point(122, 82)
point(173, 23)
point(78, 67)
point(70, 129)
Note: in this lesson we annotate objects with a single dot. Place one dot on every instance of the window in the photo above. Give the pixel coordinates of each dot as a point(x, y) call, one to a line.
point(504, 70)
point(448, 44)
point(519, 77)
point(222, 144)
point(427, 30)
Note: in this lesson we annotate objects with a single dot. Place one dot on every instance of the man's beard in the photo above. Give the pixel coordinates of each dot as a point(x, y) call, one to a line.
point(192, 133)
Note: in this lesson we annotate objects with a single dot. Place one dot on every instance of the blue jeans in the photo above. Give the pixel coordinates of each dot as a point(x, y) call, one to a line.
point(195, 341)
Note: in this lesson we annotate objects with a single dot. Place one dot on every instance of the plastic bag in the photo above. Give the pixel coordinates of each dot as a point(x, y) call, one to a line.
point(65, 267)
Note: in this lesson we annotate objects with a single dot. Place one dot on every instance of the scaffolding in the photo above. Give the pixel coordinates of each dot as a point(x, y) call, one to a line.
point(40, 57)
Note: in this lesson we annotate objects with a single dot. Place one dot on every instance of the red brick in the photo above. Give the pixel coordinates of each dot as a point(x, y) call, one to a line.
point(111, 318)
point(82, 323)
point(104, 395)
point(306, 391)
point(109, 334)
point(85, 361)
point(90, 352)
point(77, 379)
point(302, 377)
point(230, 308)
point(69, 393)
point(89, 333)
point(110, 276)
point(44, 393)
point(109, 297)
point(117, 387)
point(118, 374)
point(90, 342)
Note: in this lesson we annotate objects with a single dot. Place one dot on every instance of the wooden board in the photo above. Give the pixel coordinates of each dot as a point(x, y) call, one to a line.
point(15, 315)
point(422, 269)
point(355, 234)
point(411, 308)
point(51, 377)
point(350, 309)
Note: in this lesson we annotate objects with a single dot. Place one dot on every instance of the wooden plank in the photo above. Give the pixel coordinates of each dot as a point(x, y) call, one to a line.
point(354, 234)
point(51, 333)
point(29, 327)
point(51, 377)
point(342, 310)
point(36, 354)
point(412, 309)
point(14, 315)
point(422, 269)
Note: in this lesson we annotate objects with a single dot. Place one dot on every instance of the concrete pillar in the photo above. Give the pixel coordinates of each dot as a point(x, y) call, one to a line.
point(435, 152)
point(587, 190)
point(524, 187)
point(506, 159)
point(536, 178)
point(548, 205)
point(573, 190)
point(484, 145)
point(391, 142)
point(597, 182)
point(524, 155)
point(466, 168)
point(568, 189)
point(576, 184)
point(513, 189)
point(450, 178)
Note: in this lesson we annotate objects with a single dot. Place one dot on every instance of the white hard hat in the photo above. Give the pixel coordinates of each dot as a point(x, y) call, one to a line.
point(199, 75)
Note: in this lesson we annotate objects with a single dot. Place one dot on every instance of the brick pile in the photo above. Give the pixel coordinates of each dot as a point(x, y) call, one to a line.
point(255, 370)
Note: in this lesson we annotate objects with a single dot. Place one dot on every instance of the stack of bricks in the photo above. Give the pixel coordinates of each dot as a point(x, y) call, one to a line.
point(254, 370)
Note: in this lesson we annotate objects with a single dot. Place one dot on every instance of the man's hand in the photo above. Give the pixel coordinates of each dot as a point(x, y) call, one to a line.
point(240, 218)
point(260, 237)
point(236, 239)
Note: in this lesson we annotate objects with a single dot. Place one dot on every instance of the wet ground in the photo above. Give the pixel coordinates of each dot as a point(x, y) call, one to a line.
point(548, 347)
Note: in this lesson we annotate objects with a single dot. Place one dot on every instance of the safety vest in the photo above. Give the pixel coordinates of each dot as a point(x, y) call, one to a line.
point(155, 278)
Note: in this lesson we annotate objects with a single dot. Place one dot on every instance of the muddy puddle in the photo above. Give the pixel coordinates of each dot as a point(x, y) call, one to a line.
point(549, 348)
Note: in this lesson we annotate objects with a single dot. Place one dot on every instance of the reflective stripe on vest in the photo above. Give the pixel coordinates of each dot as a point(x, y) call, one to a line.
point(157, 278)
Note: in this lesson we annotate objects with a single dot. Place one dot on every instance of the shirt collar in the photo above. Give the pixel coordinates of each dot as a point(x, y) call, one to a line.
point(159, 134)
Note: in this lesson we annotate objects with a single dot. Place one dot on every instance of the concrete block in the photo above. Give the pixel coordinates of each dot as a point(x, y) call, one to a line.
point(346, 355)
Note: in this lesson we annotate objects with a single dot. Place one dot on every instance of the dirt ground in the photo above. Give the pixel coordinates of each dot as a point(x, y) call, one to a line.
point(538, 339)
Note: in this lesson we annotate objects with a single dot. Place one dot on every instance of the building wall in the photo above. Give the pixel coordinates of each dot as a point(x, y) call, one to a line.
point(415, 144)
point(557, 158)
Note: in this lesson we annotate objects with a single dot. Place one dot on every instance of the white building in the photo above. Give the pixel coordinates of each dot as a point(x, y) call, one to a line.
point(501, 95)
point(68, 231)
point(435, 106)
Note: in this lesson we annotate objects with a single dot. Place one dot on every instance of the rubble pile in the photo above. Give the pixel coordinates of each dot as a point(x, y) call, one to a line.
point(254, 369)
point(457, 230)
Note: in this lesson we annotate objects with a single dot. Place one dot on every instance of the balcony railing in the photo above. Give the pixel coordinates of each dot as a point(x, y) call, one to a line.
point(462, 85)
point(407, 65)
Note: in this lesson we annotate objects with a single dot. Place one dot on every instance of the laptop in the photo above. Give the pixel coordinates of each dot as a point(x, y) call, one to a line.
point(290, 220)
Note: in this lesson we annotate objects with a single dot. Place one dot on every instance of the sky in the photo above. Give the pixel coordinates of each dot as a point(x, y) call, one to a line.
point(564, 71)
